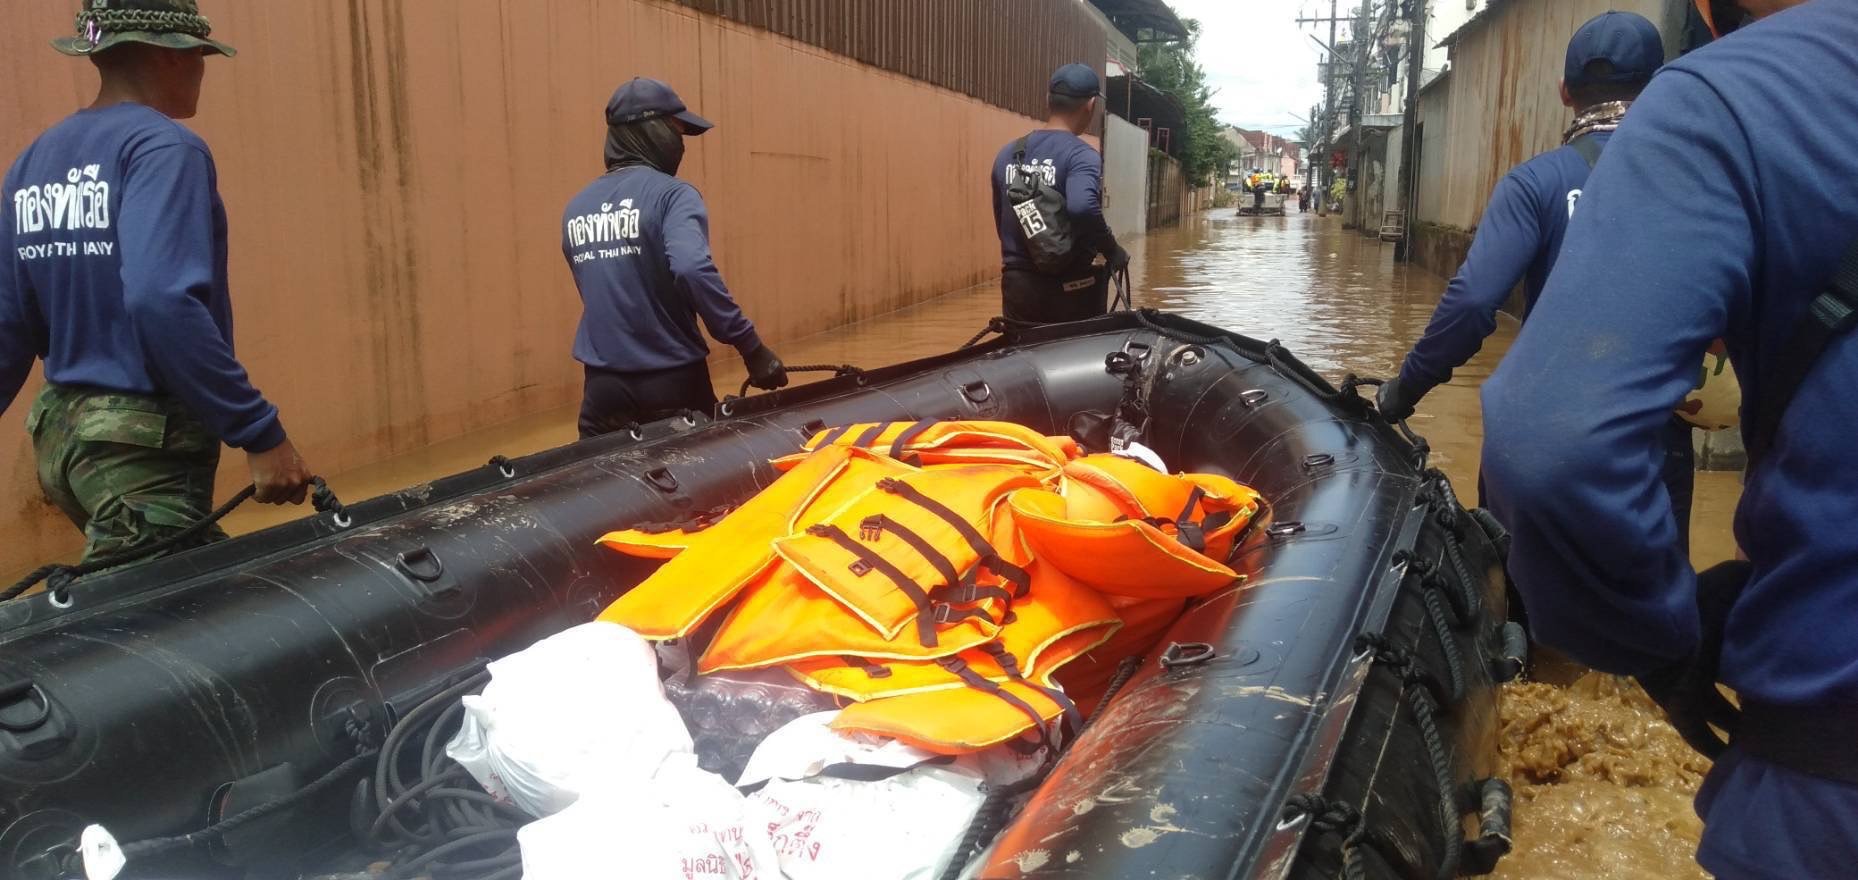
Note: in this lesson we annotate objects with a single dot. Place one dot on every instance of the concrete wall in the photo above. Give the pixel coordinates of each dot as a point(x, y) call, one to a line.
point(1502, 103)
point(1125, 177)
point(395, 172)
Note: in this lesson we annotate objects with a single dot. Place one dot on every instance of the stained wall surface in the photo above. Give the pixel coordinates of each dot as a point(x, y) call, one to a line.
point(1502, 103)
point(395, 172)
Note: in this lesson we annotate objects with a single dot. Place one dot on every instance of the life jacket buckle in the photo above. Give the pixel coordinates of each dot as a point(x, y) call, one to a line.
point(859, 567)
point(1191, 535)
point(872, 528)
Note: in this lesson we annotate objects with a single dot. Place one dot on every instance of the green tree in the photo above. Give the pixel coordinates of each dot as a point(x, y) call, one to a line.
point(1171, 68)
point(1308, 137)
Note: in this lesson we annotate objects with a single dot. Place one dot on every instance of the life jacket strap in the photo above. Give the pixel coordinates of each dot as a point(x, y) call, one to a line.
point(868, 436)
point(969, 593)
point(870, 668)
point(864, 561)
point(873, 527)
point(979, 682)
point(833, 436)
point(1189, 531)
point(1071, 719)
point(945, 614)
point(990, 557)
point(900, 445)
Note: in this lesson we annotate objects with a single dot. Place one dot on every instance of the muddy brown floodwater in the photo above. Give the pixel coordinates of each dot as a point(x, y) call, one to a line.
point(1603, 784)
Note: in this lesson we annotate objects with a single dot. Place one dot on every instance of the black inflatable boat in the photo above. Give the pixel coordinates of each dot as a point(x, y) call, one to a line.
point(1336, 713)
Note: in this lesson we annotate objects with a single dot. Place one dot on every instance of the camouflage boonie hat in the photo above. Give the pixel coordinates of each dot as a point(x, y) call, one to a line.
point(171, 24)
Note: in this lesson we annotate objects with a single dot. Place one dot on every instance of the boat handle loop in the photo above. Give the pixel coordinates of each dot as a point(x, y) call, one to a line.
point(1183, 654)
point(60, 575)
point(22, 691)
point(662, 480)
point(421, 564)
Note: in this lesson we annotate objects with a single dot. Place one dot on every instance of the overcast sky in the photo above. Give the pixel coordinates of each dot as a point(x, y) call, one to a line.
point(1260, 61)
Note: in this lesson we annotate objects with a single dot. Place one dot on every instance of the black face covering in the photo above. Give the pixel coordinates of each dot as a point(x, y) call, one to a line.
point(1729, 16)
point(657, 143)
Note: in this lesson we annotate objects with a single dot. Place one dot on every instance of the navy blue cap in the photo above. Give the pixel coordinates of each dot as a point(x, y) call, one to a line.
point(1076, 81)
point(645, 98)
point(1626, 40)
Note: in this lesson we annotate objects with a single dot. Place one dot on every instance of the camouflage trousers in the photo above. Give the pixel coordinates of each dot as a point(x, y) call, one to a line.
point(128, 469)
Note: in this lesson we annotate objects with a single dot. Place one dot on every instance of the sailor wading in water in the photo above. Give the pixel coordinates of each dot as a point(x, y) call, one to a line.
point(1698, 225)
point(638, 242)
point(1048, 211)
point(1610, 60)
point(114, 274)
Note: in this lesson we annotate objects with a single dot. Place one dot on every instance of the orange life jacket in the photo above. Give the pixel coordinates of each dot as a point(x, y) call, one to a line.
point(1144, 622)
point(1125, 529)
point(889, 553)
point(945, 600)
point(931, 443)
point(1057, 622)
point(785, 618)
point(959, 720)
point(1205, 511)
point(809, 623)
point(726, 557)
point(661, 541)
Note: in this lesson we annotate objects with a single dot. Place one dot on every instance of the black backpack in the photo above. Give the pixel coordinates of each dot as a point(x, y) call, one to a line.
point(1038, 208)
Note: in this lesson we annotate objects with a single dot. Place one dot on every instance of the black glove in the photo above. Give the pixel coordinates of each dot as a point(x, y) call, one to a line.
point(765, 371)
point(1687, 691)
point(1117, 259)
point(1393, 402)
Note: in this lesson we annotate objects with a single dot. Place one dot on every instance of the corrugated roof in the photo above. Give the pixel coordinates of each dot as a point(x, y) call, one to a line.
point(1132, 17)
point(1436, 77)
point(1474, 22)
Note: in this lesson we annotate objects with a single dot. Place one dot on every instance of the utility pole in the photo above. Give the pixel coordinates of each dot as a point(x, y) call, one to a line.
point(1409, 138)
point(1361, 35)
point(1327, 126)
point(1329, 121)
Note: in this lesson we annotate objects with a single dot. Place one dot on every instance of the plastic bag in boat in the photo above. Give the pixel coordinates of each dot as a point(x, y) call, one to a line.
point(906, 827)
point(730, 714)
point(682, 822)
point(579, 710)
point(854, 806)
point(808, 745)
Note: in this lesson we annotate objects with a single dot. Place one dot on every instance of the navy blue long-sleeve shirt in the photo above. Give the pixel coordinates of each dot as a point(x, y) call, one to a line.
point(1517, 241)
point(1064, 161)
point(1720, 209)
point(114, 270)
point(638, 243)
